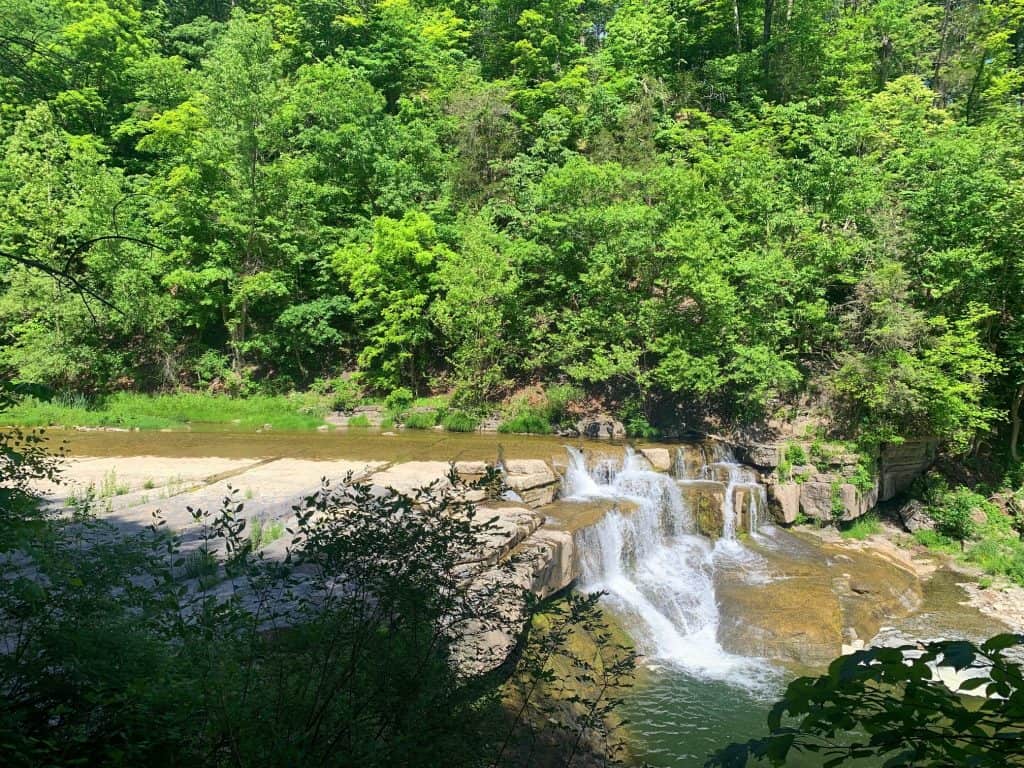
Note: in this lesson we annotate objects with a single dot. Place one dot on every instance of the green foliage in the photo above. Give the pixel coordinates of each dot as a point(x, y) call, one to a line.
point(863, 478)
point(421, 420)
point(264, 532)
point(127, 410)
point(529, 421)
point(891, 696)
point(677, 206)
point(459, 421)
point(399, 400)
point(795, 454)
point(111, 486)
point(360, 420)
point(863, 527)
point(953, 510)
point(345, 394)
point(838, 507)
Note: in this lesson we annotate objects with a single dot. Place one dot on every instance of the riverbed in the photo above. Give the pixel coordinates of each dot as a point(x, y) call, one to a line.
point(722, 621)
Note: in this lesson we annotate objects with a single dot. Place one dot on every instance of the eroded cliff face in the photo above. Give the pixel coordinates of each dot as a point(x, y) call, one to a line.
point(834, 485)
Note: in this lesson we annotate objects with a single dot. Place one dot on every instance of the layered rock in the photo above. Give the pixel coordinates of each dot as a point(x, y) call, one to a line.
point(533, 480)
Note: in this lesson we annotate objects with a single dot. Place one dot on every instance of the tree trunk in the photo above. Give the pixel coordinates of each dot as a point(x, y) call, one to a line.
point(940, 56)
point(1015, 422)
point(736, 24)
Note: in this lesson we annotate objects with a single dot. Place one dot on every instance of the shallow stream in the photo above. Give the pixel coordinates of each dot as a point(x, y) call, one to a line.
point(722, 621)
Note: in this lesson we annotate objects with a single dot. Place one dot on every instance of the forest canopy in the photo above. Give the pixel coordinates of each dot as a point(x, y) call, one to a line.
point(727, 204)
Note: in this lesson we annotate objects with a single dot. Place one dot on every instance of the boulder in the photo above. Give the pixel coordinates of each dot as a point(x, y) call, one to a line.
point(532, 480)
point(660, 458)
point(856, 502)
point(816, 500)
point(914, 516)
point(785, 501)
point(601, 426)
point(765, 455)
point(470, 470)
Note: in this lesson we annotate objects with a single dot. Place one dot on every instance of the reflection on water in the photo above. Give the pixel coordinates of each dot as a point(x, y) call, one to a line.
point(360, 444)
point(679, 720)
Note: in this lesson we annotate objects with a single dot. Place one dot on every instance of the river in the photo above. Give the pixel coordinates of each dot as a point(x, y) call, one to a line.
point(724, 607)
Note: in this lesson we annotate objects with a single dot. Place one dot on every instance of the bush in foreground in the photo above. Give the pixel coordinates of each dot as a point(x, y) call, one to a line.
point(344, 652)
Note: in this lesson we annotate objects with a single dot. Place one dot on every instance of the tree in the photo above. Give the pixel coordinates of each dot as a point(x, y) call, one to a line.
point(887, 703)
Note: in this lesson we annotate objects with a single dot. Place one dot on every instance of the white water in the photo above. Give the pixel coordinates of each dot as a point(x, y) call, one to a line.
point(719, 465)
point(657, 572)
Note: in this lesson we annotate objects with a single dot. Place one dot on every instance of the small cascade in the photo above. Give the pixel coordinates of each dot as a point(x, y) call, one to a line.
point(745, 499)
point(656, 570)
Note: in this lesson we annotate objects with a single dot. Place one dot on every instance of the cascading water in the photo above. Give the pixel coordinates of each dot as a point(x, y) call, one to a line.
point(656, 571)
point(719, 465)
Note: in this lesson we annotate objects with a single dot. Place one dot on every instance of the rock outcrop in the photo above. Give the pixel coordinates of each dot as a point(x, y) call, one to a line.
point(600, 426)
point(532, 480)
point(915, 517)
point(660, 459)
point(899, 465)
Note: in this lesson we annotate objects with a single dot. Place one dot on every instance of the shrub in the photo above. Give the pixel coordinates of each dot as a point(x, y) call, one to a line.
point(421, 420)
point(399, 400)
point(952, 511)
point(359, 420)
point(559, 398)
point(264, 532)
point(459, 421)
point(838, 508)
point(528, 420)
point(346, 394)
point(863, 479)
point(795, 454)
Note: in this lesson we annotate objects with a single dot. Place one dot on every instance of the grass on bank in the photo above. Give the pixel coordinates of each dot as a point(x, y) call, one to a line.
point(993, 546)
point(863, 527)
point(421, 420)
point(129, 410)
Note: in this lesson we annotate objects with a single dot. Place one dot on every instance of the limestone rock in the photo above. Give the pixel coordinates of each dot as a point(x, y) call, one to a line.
point(601, 426)
point(660, 458)
point(532, 480)
point(785, 498)
point(900, 465)
point(816, 500)
point(915, 517)
point(795, 620)
point(765, 455)
point(553, 561)
point(411, 475)
point(471, 470)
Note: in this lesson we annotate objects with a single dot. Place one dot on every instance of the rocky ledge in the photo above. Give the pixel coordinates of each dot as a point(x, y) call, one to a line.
point(520, 550)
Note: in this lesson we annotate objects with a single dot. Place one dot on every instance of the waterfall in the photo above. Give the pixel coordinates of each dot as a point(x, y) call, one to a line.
point(719, 465)
point(656, 571)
